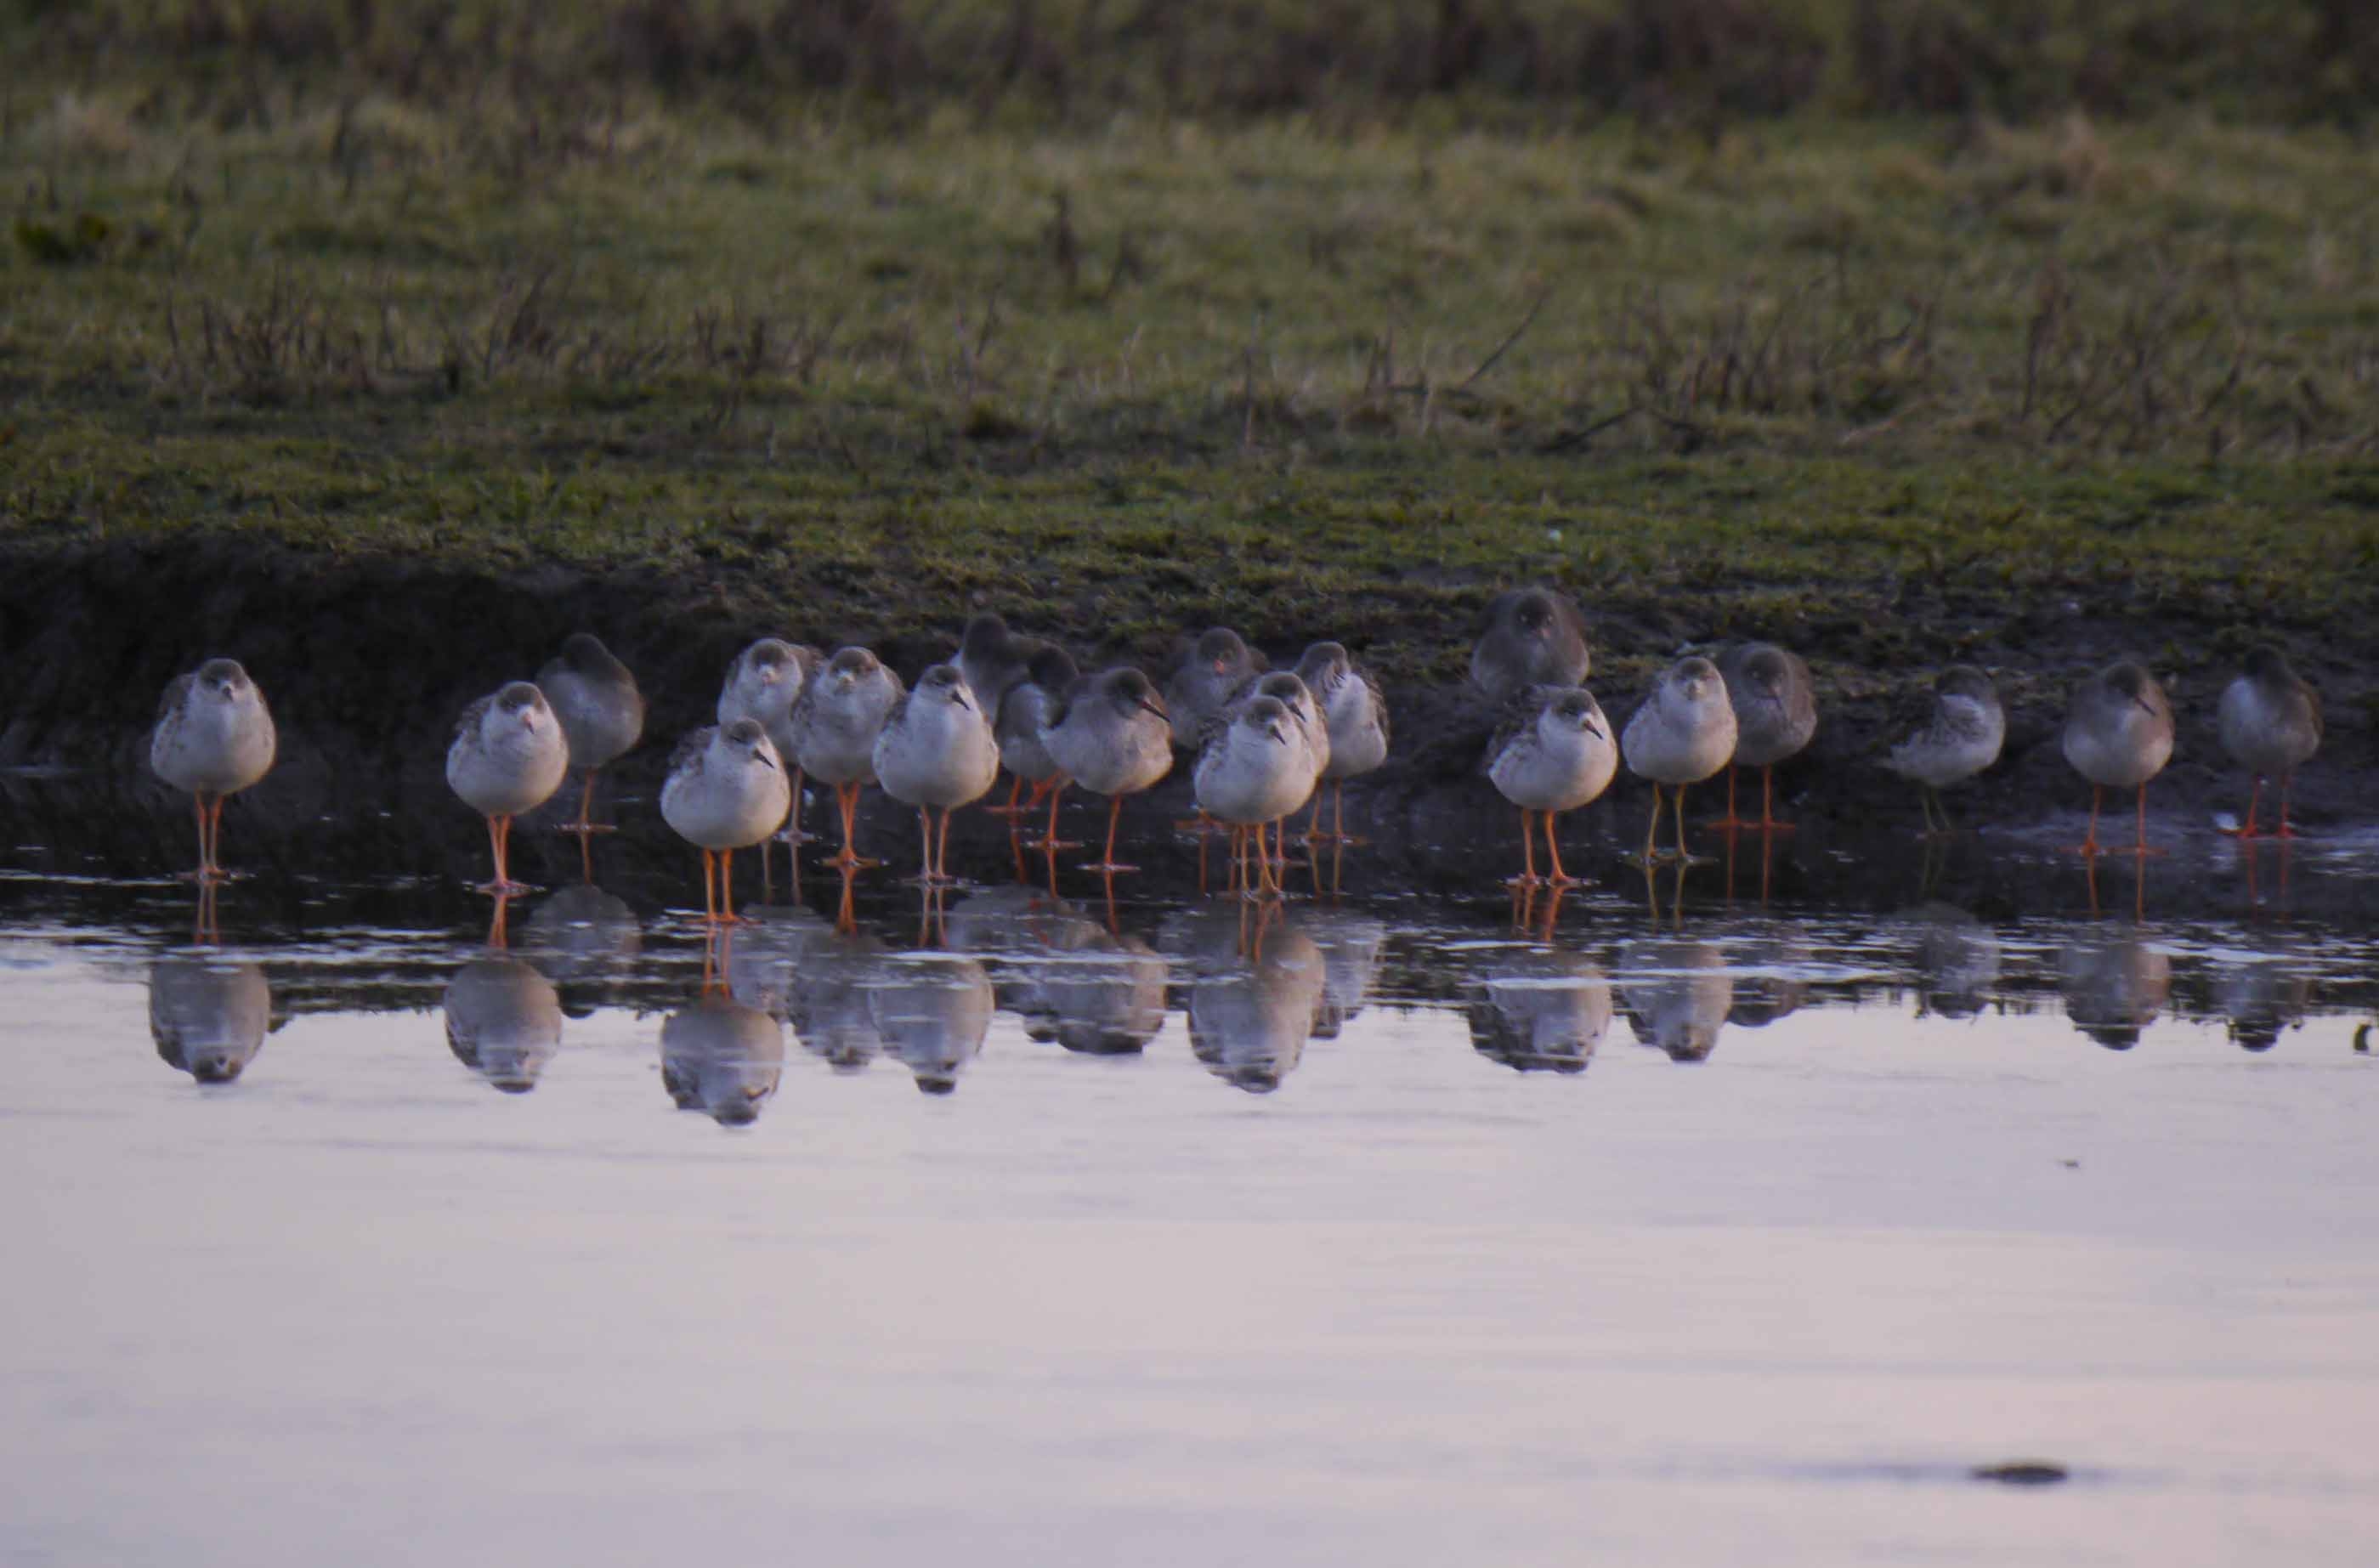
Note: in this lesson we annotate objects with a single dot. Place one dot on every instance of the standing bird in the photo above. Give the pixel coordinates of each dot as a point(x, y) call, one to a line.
point(992, 659)
point(1529, 637)
point(2118, 735)
point(726, 792)
point(2270, 720)
point(1111, 736)
point(835, 725)
point(1018, 719)
point(1683, 734)
point(1775, 713)
point(1356, 715)
point(215, 738)
point(1254, 770)
point(509, 756)
point(764, 684)
point(936, 752)
point(1553, 753)
point(1208, 675)
point(1961, 738)
point(602, 712)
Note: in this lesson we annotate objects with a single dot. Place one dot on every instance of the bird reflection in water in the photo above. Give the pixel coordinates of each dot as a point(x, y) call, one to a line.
point(2263, 996)
point(2113, 985)
point(1956, 959)
point(1771, 963)
point(1676, 993)
point(1074, 981)
point(722, 1057)
point(1350, 945)
point(578, 936)
point(208, 1011)
point(1541, 1010)
point(503, 1019)
point(827, 997)
point(1254, 1007)
point(932, 1010)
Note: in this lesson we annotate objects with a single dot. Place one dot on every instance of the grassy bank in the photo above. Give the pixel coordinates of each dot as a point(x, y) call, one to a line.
point(1892, 389)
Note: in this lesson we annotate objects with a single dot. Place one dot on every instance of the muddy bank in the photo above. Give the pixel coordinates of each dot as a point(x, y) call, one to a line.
point(367, 663)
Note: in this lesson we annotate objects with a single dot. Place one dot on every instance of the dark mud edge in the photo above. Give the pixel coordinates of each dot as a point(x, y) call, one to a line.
point(366, 662)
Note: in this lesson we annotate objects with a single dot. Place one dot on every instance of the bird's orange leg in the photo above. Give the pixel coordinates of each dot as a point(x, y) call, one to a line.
point(1560, 878)
point(942, 849)
point(1767, 820)
point(709, 889)
point(2288, 785)
point(1015, 787)
point(205, 855)
point(1528, 878)
point(1731, 822)
point(2089, 845)
point(1108, 866)
point(2139, 837)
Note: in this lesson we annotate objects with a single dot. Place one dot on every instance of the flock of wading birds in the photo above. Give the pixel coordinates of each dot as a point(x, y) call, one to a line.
point(1264, 740)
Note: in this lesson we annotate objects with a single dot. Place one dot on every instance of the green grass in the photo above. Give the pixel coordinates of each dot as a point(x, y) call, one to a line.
point(1890, 384)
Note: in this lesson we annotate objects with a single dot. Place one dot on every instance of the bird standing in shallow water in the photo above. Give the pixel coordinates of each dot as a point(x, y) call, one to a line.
point(2270, 721)
point(835, 724)
point(1553, 753)
point(508, 756)
point(1961, 738)
point(1775, 713)
point(1531, 637)
point(762, 684)
point(2118, 735)
point(1356, 717)
point(601, 711)
point(1683, 734)
point(1253, 770)
point(726, 792)
point(1111, 736)
point(1017, 722)
point(215, 738)
point(936, 752)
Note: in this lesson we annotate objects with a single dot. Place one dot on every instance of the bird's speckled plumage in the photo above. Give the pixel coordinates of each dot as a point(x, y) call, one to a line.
point(726, 788)
point(1354, 711)
point(763, 684)
point(508, 755)
point(1685, 732)
point(1962, 735)
point(2270, 717)
point(214, 735)
point(1553, 751)
point(937, 747)
point(842, 708)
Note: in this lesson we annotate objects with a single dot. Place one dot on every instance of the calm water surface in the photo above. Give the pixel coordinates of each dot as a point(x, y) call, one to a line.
point(1386, 1228)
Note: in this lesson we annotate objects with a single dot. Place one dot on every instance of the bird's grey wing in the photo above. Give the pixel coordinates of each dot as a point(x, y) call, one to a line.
point(1379, 701)
point(1512, 721)
point(898, 712)
point(808, 659)
point(177, 690)
point(1211, 732)
point(468, 725)
point(690, 748)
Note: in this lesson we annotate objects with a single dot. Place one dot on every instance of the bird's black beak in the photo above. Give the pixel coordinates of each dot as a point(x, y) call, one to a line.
point(961, 698)
point(763, 759)
point(1597, 729)
point(1147, 706)
point(1276, 735)
point(2144, 706)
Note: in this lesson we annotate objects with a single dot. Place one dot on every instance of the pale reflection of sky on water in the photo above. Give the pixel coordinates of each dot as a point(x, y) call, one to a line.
point(1314, 1277)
